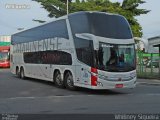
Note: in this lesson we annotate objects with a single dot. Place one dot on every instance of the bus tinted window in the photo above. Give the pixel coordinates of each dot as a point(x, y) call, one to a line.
point(115, 58)
point(100, 24)
point(84, 49)
point(48, 57)
point(50, 30)
point(4, 56)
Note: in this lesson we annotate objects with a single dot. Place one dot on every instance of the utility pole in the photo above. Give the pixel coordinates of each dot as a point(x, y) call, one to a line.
point(67, 7)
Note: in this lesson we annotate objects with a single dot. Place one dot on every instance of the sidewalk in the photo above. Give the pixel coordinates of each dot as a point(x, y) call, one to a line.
point(148, 81)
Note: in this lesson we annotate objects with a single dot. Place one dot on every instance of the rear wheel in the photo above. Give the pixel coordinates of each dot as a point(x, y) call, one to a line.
point(17, 72)
point(69, 83)
point(22, 74)
point(58, 80)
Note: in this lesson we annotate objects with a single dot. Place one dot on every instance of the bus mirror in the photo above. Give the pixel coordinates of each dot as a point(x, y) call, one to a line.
point(88, 36)
point(96, 44)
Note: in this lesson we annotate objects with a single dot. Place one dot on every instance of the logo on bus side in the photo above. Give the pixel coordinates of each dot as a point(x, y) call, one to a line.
point(85, 74)
point(42, 45)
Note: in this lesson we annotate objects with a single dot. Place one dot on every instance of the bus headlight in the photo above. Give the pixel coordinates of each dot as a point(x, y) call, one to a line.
point(133, 75)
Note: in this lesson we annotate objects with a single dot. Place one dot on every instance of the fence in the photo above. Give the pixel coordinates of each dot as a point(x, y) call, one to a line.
point(148, 65)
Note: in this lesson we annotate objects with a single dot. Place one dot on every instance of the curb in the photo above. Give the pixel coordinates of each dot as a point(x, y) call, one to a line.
point(147, 83)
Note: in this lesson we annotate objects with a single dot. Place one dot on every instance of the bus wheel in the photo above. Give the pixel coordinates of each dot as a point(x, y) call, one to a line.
point(69, 83)
point(22, 75)
point(57, 80)
point(17, 72)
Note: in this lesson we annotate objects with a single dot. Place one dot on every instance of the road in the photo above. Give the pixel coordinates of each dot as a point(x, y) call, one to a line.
point(39, 97)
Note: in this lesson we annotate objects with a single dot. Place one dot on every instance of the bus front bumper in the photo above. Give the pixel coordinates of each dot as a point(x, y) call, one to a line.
point(4, 65)
point(103, 84)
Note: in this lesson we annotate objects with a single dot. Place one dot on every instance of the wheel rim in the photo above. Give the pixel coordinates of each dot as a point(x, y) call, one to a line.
point(70, 81)
point(58, 79)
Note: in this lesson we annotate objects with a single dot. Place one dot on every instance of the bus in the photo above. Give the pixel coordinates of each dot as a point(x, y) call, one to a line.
point(94, 50)
point(4, 56)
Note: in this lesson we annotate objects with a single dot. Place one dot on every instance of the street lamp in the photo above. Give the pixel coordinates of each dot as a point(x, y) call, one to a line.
point(19, 29)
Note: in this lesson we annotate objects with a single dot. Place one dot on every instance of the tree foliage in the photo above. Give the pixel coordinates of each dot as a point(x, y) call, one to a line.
point(129, 9)
point(56, 8)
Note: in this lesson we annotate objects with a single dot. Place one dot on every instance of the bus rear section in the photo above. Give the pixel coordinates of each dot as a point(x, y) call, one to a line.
point(4, 56)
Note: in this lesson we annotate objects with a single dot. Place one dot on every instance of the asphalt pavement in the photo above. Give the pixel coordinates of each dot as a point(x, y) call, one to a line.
point(148, 81)
point(33, 96)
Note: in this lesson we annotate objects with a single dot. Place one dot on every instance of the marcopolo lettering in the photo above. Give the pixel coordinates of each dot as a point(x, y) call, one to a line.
point(42, 45)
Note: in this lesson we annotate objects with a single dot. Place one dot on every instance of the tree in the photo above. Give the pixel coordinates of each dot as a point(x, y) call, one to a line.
point(129, 9)
point(56, 8)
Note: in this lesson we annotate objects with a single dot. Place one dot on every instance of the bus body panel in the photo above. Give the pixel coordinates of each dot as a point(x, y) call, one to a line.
point(108, 80)
point(65, 45)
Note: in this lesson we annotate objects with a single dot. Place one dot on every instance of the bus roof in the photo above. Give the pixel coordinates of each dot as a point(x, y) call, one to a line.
point(64, 17)
point(46, 30)
point(101, 24)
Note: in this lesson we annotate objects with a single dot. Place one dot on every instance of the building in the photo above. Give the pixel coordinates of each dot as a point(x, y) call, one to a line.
point(5, 40)
point(154, 44)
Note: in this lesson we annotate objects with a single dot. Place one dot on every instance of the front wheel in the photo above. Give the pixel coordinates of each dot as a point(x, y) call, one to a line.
point(69, 83)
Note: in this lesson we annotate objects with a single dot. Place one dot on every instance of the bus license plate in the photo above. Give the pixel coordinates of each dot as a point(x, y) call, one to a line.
point(119, 86)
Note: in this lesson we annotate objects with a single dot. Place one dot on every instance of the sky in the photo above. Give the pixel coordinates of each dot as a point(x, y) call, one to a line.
point(12, 18)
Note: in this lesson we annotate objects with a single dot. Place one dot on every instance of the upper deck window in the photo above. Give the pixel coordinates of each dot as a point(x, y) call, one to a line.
point(100, 24)
point(50, 30)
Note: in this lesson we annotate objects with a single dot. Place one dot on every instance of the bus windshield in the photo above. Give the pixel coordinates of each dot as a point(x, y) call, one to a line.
point(4, 56)
point(115, 58)
point(100, 24)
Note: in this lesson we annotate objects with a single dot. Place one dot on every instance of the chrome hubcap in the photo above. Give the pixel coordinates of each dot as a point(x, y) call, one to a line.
point(58, 80)
point(70, 81)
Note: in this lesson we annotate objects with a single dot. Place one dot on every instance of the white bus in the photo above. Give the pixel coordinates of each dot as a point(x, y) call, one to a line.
point(93, 50)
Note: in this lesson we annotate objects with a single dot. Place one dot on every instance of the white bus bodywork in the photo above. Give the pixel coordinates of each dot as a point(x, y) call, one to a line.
point(72, 72)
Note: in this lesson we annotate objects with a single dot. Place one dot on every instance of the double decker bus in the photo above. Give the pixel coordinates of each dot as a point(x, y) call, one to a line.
point(4, 56)
point(93, 50)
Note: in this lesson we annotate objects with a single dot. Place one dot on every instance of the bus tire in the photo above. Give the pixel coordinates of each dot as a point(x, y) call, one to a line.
point(17, 72)
point(68, 80)
point(22, 74)
point(58, 80)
